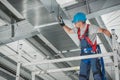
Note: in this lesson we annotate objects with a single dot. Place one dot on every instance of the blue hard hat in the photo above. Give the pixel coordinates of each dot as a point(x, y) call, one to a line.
point(79, 17)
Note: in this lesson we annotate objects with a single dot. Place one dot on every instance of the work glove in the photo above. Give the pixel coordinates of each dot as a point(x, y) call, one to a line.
point(61, 22)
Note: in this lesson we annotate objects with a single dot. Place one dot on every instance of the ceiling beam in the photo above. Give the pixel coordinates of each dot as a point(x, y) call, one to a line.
point(5, 17)
point(103, 11)
point(78, 4)
point(12, 9)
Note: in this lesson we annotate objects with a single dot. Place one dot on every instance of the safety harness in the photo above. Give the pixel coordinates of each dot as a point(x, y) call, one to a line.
point(85, 36)
point(95, 48)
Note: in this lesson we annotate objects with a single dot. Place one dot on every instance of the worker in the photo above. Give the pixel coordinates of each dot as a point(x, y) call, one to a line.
point(88, 44)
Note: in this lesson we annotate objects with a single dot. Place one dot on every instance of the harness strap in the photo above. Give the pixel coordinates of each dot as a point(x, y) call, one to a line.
point(79, 32)
point(94, 46)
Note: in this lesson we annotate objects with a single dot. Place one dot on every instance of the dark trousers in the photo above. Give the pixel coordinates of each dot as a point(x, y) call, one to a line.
point(85, 69)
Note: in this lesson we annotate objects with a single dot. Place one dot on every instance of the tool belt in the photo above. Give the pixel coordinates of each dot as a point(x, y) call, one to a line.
point(87, 51)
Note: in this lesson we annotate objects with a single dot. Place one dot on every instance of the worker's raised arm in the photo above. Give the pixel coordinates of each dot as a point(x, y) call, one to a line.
point(105, 31)
point(68, 30)
point(65, 27)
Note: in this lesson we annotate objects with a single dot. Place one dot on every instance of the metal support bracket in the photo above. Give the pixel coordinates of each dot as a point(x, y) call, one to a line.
point(33, 76)
point(19, 62)
point(115, 54)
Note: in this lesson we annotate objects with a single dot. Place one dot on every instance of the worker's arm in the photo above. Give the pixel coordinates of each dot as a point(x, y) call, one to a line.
point(66, 28)
point(105, 31)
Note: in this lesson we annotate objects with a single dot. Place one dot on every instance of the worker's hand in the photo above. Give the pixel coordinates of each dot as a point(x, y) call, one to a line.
point(116, 37)
point(61, 22)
